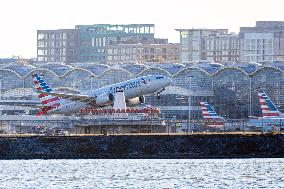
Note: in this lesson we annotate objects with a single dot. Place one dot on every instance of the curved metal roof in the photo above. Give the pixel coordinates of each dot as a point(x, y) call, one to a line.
point(95, 68)
point(132, 67)
point(249, 68)
point(208, 67)
point(279, 65)
point(58, 68)
point(20, 69)
point(172, 68)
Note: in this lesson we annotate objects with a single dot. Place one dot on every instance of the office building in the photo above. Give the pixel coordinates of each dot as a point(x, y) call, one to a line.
point(192, 43)
point(95, 38)
point(222, 48)
point(262, 43)
point(57, 45)
point(141, 53)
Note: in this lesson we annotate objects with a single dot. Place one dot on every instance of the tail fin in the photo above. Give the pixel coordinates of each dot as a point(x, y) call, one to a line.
point(268, 109)
point(50, 102)
point(208, 112)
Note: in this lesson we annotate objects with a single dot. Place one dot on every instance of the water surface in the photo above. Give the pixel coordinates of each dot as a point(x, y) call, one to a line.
point(170, 173)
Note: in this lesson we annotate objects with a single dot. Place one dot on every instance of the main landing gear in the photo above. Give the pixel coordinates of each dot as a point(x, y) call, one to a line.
point(158, 95)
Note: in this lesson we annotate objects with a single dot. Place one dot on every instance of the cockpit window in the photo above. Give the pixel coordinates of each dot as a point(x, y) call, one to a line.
point(159, 77)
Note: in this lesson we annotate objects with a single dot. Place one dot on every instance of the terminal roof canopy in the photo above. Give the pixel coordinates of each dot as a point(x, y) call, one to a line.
point(208, 67)
point(132, 67)
point(279, 65)
point(95, 68)
point(21, 69)
point(58, 68)
point(247, 67)
point(172, 68)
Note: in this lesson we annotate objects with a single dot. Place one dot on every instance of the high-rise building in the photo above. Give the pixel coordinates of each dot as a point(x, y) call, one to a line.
point(87, 43)
point(262, 43)
point(222, 47)
point(192, 43)
point(57, 45)
point(95, 38)
point(140, 53)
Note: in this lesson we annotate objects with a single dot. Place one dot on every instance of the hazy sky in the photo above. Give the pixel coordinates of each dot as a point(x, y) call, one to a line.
point(20, 19)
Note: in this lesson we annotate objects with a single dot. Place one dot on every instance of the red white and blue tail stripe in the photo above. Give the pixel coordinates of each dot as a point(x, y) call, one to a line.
point(268, 109)
point(49, 102)
point(207, 111)
point(210, 116)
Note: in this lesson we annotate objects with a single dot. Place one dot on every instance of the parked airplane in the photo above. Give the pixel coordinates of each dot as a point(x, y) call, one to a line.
point(271, 116)
point(134, 91)
point(210, 116)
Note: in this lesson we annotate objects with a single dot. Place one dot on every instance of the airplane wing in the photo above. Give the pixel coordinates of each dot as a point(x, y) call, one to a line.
point(32, 106)
point(75, 97)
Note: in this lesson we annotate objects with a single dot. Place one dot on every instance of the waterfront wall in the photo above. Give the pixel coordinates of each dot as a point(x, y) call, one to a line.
point(143, 146)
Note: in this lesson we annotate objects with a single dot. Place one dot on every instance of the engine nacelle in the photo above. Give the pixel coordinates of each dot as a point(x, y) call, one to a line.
point(104, 99)
point(135, 101)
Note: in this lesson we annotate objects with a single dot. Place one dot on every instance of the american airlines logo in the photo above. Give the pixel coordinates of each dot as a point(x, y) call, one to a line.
point(129, 85)
point(143, 80)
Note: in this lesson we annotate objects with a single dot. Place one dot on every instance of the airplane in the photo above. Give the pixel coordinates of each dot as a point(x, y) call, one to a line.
point(271, 116)
point(134, 90)
point(210, 116)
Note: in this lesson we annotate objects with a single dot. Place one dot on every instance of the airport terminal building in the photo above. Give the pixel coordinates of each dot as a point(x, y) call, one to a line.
point(231, 88)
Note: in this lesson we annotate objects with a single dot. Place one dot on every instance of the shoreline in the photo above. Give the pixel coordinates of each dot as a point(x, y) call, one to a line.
point(193, 146)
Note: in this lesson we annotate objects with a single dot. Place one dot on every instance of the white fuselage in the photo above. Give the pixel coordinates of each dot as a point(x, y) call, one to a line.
point(132, 88)
point(267, 123)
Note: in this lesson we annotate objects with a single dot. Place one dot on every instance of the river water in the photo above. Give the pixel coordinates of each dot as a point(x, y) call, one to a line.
point(169, 173)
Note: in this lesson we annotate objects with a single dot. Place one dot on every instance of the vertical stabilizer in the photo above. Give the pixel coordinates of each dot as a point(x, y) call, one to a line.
point(207, 111)
point(210, 116)
point(268, 109)
point(49, 102)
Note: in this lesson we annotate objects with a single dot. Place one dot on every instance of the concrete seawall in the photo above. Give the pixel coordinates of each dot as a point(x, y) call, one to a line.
point(142, 146)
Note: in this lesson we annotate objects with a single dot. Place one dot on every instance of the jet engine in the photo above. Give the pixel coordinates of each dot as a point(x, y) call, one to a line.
point(135, 101)
point(104, 99)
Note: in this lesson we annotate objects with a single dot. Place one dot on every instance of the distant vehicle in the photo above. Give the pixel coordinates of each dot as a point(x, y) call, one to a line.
point(134, 91)
point(271, 116)
point(210, 116)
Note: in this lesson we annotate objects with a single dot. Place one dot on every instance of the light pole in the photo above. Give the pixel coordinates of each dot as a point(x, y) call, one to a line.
point(250, 95)
point(0, 88)
point(189, 103)
point(91, 78)
point(280, 125)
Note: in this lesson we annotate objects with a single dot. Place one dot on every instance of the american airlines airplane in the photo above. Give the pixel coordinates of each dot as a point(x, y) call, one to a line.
point(271, 116)
point(134, 91)
point(210, 116)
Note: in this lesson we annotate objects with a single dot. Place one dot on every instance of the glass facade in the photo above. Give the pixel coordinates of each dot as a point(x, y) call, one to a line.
point(258, 47)
point(95, 38)
point(57, 45)
point(193, 45)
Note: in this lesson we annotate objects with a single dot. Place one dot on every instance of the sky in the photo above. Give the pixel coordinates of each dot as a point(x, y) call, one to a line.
point(20, 19)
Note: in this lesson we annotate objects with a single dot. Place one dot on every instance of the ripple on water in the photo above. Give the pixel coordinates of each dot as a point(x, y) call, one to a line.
point(170, 173)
